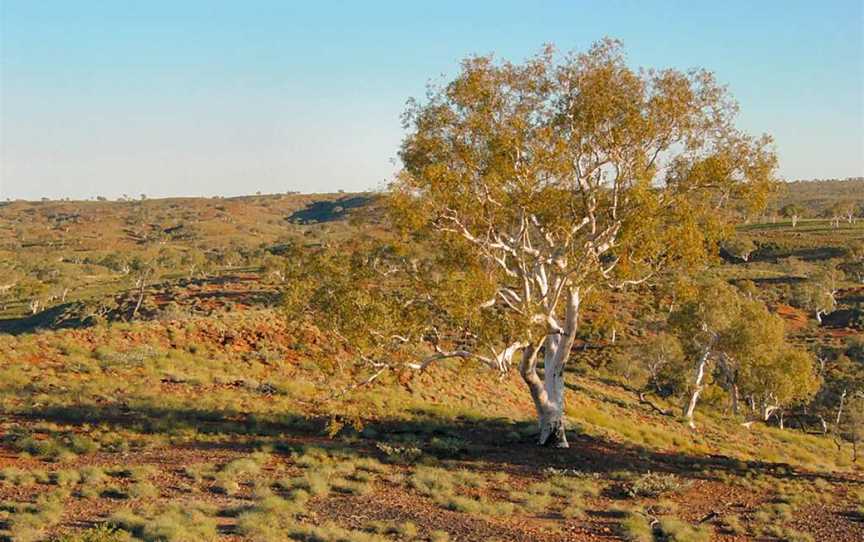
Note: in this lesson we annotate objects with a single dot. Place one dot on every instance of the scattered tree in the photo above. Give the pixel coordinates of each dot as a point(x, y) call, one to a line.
point(556, 181)
point(740, 246)
point(852, 424)
point(663, 358)
point(746, 346)
point(794, 212)
point(853, 261)
point(819, 293)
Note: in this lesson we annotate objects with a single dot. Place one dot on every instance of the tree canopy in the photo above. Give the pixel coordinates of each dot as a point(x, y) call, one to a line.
point(541, 184)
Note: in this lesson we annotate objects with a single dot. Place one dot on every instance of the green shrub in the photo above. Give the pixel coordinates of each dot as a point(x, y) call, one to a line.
point(66, 478)
point(636, 528)
point(102, 533)
point(174, 523)
point(17, 477)
point(142, 490)
point(675, 530)
point(652, 485)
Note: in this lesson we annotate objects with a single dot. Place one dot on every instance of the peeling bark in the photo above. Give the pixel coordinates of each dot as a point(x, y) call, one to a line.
point(548, 392)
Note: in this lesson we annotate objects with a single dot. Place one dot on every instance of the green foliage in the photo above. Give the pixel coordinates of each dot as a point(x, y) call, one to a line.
point(675, 530)
point(652, 485)
point(635, 527)
point(102, 533)
point(748, 344)
point(852, 423)
point(740, 246)
point(173, 523)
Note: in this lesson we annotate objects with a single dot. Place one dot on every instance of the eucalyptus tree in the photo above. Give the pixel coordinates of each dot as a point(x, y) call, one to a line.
point(758, 363)
point(819, 292)
point(853, 261)
point(793, 212)
point(662, 357)
point(558, 180)
point(847, 210)
point(852, 424)
point(702, 324)
point(739, 343)
point(741, 247)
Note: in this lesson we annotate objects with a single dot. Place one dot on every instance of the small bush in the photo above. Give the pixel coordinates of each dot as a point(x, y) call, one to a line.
point(66, 478)
point(732, 525)
point(675, 530)
point(142, 490)
point(17, 477)
point(174, 523)
point(636, 528)
point(102, 533)
point(400, 454)
point(653, 485)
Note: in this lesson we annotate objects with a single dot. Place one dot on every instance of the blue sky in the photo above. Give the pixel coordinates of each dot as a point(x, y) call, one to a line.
point(212, 97)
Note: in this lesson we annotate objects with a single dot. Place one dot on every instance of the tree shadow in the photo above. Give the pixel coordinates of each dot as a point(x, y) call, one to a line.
point(328, 210)
point(63, 316)
point(773, 254)
point(73, 315)
point(494, 443)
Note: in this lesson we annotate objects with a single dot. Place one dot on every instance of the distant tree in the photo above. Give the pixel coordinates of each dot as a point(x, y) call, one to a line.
point(844, 378)
point(700, 323)
point(853, 261)
point(792, 211)
point(852, 424)
point(740, 246)
point(783, 380)
point(545, 183)
point(836, 213)
point(33, 291)
point(146, 267)
point(274, 266)
point(848, 209)
point(747, 347)
point(663, 359)
point(195, 260)
point(748, 289)
point(819, 293)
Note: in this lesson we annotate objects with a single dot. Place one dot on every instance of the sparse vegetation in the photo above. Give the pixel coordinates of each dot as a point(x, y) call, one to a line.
point(317, 367)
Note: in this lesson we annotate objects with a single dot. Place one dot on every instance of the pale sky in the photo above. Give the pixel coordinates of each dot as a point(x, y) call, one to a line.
point(213, 97)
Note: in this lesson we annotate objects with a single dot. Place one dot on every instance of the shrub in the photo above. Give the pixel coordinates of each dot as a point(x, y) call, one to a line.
point(636, 528)
point(66, 478)
point(675, 530)
point(29, 521)
point(174, 523)
point(102, 533)
point(142, 490)
point(353, 487)
point(315, 483)
point(653, 484)
point(400, 454)
point(17, 477)
point(272, 516)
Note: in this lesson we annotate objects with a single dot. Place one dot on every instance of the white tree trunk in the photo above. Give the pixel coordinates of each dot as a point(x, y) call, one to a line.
point(548, 393)
point(840, 408)
point(698, 386)
point(735, 399)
